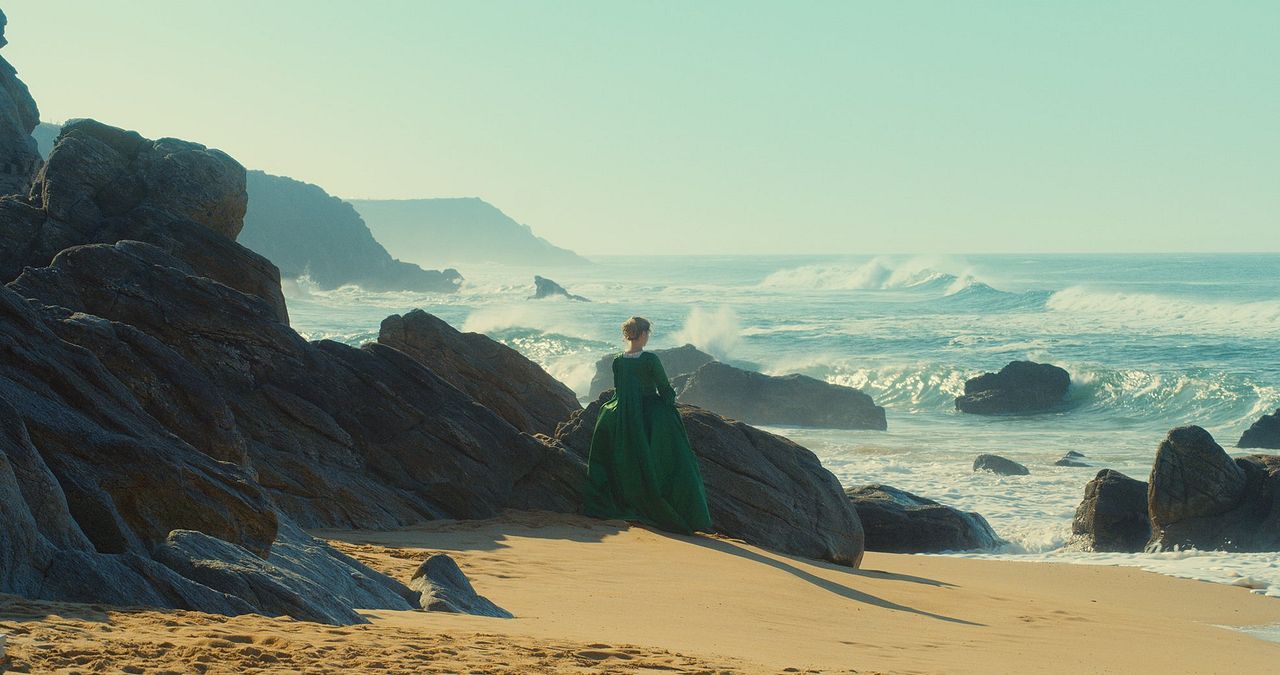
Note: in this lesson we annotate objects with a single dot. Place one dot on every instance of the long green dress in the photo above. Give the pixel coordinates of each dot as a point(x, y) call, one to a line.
point(641, 466)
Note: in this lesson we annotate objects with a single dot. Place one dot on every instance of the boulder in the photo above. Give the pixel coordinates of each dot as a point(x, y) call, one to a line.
point(19, 155)
point(306, 231)
point(999, 465)
point(442, 587)
point(896, 521)
point(493, 374)
point(1265, 433)
point(1021, 387)
point(103, 185)
point(761, 488)
point(546, 288)
point(1113, 514)
point(791, 400)
point(1072, 459)
point(676, 361)
point(1200, 497)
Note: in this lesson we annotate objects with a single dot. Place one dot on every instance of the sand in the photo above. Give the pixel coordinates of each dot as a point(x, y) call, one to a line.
point(593, 596)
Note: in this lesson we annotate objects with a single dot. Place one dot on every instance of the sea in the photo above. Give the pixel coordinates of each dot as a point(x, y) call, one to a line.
point(1152, 342)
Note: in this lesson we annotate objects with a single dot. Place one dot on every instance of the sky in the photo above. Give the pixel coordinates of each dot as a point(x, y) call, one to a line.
point(717, 127)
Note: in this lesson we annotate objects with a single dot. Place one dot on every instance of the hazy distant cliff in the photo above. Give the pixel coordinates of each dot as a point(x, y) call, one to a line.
point(304, 230)
point(435, 231)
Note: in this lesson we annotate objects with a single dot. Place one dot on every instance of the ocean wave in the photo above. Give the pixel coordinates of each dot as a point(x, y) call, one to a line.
point(880, 273)
point(1154, 311)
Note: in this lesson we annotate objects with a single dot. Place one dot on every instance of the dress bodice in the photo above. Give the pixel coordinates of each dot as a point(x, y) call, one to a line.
point(641, 375)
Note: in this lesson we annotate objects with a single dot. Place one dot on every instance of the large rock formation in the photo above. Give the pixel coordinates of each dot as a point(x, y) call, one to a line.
point(896, 521)
point(162, 428)
point(546, 288)
point(103, 185)
point(1021, 387)
point(304, 230)
point(792, 400)
point(1113, 514)
point(495, 375)
point(1265, 433)
point(19, 155)
point(1200, 497)
point(445, 231)
point(761, 488)
point(676, 361)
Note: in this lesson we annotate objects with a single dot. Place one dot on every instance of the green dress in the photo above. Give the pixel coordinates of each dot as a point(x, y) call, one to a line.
point(641, 466)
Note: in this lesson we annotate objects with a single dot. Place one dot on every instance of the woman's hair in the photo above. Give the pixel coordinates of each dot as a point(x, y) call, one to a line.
point(635, 326)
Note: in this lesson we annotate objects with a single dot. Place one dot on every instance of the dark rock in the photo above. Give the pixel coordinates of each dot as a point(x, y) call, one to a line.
point(444, 588)
point(495, 375)
point(1200, 497)
point(1072, 454)
point(304, 230)
point(1113, 514)
point(467, 229)
point(19, 155)
point(103, 185)
point(546, 288)
point(676, 361)
point(1071, 459)
point(999, 465)
point(896, 521)
point(1265, 433)
point(761, 488)
point(793, 400)
point(1019, 388)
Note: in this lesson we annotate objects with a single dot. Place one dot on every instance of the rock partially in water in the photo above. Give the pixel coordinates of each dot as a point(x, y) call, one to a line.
point(1022, 387)
point(999, 465)
point(790, 400)
point(1113, 514)
point(761, 488)
point(1072, 459)
point(1265, 433)
point(442, 587)
point(546, 288)
point(896, 521)
point(495, 375)
point(676, 361)
point(1200, 497)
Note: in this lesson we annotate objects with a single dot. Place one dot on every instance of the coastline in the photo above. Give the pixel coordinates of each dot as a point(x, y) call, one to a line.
point(593, 596)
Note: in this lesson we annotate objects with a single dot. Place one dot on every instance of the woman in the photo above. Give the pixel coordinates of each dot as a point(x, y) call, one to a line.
point(641, 467)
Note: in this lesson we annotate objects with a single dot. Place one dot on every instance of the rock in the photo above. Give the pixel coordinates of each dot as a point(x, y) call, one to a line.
point(792, 400)
point(19, 155)
point(495, 375)
point(1113, 514)
point(1265, 433)
point(1071, 459)
point(761, 488)
point(444, 588)
point(999, 465)
point(1021, 387)
point(546, 288)
point(676, 361)
point(103, 185)
point(451, 230)
point(896, 521)
point(1200, 497)
point(305, 231)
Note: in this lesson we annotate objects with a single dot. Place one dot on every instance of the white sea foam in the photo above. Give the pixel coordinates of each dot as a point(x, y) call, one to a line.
point(879, 273)
point(1166, 313)
point(717, 333)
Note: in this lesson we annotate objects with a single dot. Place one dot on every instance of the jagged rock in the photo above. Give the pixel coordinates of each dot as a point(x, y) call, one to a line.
point(999, 465)
point(794, 400)
point(495, 375)
point(1113, 514)
point(1199, 497)
point(444, 588)
point(896, 521)
point(546, 288)
point(1072, 459)
point(761, 488)
point(1019, 388)
point(676, 361)
point(1265, 433)
point(304, 230)
point(103, 185)
point(19, 155)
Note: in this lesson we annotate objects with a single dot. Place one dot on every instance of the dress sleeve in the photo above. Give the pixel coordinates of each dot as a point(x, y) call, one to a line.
point(662, 382)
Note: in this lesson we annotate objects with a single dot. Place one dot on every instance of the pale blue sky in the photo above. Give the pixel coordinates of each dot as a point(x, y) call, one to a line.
point(661, 127)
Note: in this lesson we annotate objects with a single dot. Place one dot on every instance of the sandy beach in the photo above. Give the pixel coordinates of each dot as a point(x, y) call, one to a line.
point(593, 596)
